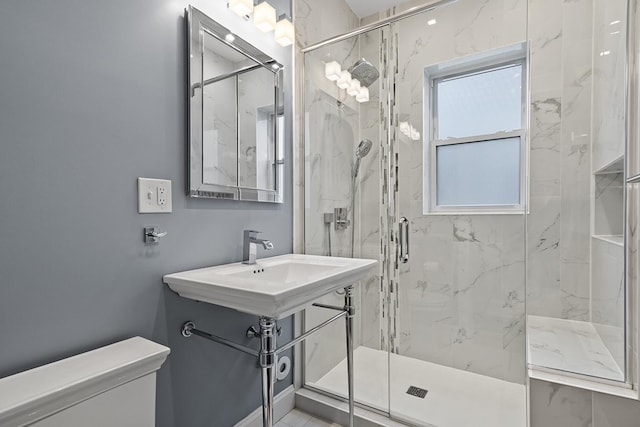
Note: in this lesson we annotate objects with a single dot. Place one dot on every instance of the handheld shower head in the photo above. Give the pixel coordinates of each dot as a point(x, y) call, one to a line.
point(363, 148)
point(361, 151)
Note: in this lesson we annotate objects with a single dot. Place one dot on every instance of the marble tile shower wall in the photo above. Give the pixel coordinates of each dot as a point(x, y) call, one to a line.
point(370, 208)
point(559, 224)
point(461, 297)
point(332, 122)
point(607, 255)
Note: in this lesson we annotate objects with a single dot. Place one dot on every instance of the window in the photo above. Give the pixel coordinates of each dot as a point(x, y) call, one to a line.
point(476, 150)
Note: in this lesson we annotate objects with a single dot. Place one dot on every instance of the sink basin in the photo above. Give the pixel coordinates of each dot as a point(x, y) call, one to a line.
point(274, 287)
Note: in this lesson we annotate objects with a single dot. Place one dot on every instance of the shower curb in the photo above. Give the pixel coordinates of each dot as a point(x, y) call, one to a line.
point(337, 411)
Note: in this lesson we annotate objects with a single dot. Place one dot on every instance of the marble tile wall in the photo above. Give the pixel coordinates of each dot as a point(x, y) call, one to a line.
point(461, 297)
point(332, 131)
point(555, 405)
point(608, 295)
point(559, 224)
point(370, 207)
point(219, 130)
point(609, 81)
point(255, 92)
point(607, 252)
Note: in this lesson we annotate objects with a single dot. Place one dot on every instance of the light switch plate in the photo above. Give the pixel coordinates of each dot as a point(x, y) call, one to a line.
point(154, 195)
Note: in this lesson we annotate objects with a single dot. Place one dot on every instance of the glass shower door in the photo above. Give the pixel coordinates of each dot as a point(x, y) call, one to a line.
point(344, 136)
point(456, 217)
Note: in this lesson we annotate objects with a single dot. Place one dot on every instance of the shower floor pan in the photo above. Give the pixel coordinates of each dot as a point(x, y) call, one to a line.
point(454, 398)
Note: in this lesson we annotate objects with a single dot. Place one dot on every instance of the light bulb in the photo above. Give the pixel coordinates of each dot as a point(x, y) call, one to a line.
point(354, 87)
point(363, 95)
point(241, 7)
point(284, 34)
point(345, 80)
point(264, 17)
point(332, 70)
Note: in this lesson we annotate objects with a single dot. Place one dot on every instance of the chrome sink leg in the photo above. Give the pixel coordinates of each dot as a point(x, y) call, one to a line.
point(267, 359)
point(350, 308)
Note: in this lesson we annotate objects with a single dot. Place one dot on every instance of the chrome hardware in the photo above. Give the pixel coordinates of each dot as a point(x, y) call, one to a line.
point(189, 329)
point(403, 239)
point(350, 309)
point(249, 248)
point(341, 216)
point(268, 354)
point(186, 329)
point(253, 332)
point(152, 234)
point(328, 219)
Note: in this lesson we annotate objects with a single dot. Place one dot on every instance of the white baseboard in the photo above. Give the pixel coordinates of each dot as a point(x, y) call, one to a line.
point(283, 403)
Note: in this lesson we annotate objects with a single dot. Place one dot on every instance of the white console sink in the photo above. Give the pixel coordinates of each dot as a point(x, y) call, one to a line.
point(273, 287)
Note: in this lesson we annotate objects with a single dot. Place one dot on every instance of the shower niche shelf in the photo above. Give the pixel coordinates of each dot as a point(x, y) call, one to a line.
point(608, 202)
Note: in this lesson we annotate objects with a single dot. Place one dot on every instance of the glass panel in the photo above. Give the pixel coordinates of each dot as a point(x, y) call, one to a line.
point(458, 323)
point(480, 104)
point(343, 212)
point(479, 173)
point(575, 266)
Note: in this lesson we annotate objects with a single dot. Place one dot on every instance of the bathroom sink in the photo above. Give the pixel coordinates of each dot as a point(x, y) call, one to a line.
point(273, 287)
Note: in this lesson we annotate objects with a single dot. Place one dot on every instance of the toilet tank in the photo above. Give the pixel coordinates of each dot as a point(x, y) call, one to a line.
point(110, 386)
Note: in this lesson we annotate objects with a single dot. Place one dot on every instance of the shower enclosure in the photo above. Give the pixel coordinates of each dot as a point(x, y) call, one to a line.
point(488, 154)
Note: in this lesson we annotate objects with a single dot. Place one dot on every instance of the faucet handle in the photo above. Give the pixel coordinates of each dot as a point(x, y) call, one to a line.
point(250, 234)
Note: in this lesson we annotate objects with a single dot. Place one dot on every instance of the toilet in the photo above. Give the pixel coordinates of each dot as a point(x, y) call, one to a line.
point(110, 386)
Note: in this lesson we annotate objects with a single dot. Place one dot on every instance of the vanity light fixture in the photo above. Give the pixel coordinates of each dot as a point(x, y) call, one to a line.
point(332, 70)
point(241, 7)
point(405, 128)
point(284, 32)
point(344, 80)
point(264, 17)
point(354, 87)
point(363, 95)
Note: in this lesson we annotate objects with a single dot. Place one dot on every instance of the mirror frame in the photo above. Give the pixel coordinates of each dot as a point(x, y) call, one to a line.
point(197, 24)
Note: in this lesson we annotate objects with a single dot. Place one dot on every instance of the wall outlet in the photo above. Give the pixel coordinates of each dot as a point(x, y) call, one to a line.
point(154, 195)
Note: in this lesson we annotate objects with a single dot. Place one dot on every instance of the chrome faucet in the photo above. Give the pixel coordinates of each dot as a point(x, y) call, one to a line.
point(249, 248)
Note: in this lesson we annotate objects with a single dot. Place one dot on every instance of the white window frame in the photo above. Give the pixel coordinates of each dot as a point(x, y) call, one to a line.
point(430, 175)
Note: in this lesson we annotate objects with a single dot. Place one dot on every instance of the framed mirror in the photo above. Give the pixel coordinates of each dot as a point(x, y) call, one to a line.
point(236, 116)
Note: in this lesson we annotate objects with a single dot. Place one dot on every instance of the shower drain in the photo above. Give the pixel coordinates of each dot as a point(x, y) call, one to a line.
point(417, 391)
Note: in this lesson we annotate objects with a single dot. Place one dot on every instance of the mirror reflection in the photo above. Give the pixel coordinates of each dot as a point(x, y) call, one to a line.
point(236, 116)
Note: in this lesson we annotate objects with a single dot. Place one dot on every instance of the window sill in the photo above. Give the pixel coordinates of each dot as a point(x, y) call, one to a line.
point(473, 212)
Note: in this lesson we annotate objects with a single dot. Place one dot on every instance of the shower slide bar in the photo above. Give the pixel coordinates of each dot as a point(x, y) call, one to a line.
point(268, 352)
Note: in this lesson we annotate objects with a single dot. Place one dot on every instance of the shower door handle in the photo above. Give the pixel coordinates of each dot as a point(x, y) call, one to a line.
point(403, 239)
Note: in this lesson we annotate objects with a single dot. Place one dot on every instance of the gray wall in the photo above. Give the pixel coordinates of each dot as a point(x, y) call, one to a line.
point(92, 95)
